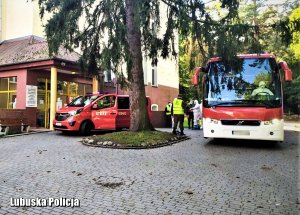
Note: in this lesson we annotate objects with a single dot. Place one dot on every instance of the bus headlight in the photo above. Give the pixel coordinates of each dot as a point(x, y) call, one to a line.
point(267, 122)
point(214, 121)
point(276, 121)
point(272, 122)
point(209, 120)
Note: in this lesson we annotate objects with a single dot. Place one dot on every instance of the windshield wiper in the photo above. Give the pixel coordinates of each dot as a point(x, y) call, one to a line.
point(236, 102)
point(262, 103)
point(257, 103)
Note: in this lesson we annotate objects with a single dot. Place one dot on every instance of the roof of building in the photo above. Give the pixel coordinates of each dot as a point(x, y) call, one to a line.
point(31, 48)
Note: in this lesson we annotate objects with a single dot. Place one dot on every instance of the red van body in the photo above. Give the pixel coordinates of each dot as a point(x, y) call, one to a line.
point(95, 112)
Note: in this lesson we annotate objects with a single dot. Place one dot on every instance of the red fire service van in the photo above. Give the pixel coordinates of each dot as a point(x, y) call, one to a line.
point(243, 101)
point(95, 112)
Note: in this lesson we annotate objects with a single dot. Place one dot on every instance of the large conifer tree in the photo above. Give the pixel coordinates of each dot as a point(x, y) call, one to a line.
point(116, 32)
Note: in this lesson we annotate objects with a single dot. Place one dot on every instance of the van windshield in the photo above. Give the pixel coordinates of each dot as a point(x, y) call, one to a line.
point(82, 101)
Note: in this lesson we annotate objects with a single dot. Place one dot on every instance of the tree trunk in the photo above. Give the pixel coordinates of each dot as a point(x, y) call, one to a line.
point(101, 81)
point(139, 119)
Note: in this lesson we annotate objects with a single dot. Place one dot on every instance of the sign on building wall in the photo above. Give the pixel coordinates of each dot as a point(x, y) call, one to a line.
point(31, 96)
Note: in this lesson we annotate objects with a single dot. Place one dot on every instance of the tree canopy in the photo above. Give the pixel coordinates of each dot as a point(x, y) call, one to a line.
point(268, 38)
point(110, 33)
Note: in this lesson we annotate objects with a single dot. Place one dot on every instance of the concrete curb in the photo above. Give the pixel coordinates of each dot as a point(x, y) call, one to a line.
point(292, 126)
point(21, 134)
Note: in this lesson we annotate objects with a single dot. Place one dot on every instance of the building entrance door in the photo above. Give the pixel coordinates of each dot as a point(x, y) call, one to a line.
point(43, 106)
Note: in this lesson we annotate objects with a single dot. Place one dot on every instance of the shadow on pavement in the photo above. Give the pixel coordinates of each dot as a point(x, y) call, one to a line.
point(256, 144)
point(291, 139)
point(77, 134)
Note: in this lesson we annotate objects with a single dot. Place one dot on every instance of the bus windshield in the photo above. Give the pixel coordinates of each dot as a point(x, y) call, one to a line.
point(256, 82)
point(82, 101)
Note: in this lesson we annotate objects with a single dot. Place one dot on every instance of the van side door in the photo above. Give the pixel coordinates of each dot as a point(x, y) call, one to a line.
point(123, 118)
point(104, 113)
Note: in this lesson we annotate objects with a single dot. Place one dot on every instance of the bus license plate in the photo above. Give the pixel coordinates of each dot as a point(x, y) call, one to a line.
point(58, 124)
point(240, 132)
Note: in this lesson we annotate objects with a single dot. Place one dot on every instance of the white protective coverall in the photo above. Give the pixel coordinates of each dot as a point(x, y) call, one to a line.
point(197, 112)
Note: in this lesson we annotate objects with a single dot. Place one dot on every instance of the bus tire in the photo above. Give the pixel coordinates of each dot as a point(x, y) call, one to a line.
point(85, 128)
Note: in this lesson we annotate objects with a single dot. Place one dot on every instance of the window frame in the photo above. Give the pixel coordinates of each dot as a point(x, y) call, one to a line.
point(8, 92)
point(154, 77)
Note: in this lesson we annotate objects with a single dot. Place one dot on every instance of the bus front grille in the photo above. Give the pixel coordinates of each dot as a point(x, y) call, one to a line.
point(241, 122)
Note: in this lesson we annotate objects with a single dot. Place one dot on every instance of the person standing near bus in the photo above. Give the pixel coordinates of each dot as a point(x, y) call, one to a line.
point(190, 114)
point(168, 114)
point(197, 114)
point(177, 110)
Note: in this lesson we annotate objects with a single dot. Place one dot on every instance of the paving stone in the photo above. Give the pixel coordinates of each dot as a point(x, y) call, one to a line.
point(197, 176)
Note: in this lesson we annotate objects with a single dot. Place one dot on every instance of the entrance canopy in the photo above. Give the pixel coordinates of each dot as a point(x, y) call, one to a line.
point(25, 64)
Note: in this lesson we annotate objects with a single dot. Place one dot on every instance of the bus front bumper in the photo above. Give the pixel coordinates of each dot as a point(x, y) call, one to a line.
point(267, 130)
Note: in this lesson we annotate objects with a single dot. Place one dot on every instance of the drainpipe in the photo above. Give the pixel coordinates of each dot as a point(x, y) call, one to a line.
point(53, 95)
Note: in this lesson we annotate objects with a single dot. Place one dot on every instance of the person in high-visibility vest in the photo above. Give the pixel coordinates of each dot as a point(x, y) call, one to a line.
point(168, 114)
point(177, 110)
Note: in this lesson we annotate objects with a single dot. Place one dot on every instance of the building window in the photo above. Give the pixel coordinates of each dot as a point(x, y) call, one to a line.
point(8, 92)
point(88, 89)
point(107, 76)
point(154, 107)
point(73, 89)
point(67, 91)
point(154, 76)
point(145, 69)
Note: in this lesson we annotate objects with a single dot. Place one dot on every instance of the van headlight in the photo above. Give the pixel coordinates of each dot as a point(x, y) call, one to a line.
point(75, 112)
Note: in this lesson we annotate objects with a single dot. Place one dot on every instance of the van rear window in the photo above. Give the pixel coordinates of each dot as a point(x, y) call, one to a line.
point(123, 102)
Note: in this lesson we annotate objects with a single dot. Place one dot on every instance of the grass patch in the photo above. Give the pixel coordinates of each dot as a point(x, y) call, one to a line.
point(135, 139)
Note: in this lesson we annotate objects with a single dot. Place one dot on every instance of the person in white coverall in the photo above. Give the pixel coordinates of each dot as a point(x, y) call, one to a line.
point(197, 114)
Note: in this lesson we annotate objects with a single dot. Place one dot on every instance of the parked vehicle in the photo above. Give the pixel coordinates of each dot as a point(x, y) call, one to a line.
point(243, 101)
point(95, 112)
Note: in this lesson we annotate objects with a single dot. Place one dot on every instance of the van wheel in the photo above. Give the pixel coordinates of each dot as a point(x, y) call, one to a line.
point(85, 128)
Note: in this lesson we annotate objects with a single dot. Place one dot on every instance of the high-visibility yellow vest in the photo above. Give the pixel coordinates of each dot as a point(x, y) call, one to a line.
point(177, 106)
point(168, 110)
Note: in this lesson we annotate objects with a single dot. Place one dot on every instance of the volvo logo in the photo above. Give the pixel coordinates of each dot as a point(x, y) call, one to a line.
point(240, 122)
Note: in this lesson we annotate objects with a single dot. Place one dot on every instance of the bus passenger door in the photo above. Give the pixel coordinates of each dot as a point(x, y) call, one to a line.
point(104, 113)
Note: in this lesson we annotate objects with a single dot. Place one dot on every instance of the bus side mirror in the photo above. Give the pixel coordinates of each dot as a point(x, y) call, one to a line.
point(197, 71)
point(287, 71)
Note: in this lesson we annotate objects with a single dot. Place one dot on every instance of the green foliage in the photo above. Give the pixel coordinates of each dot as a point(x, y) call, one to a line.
point(103, 39)
point(295, 46)
point(279, 34)
point(263, 76)
point(143, 138)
